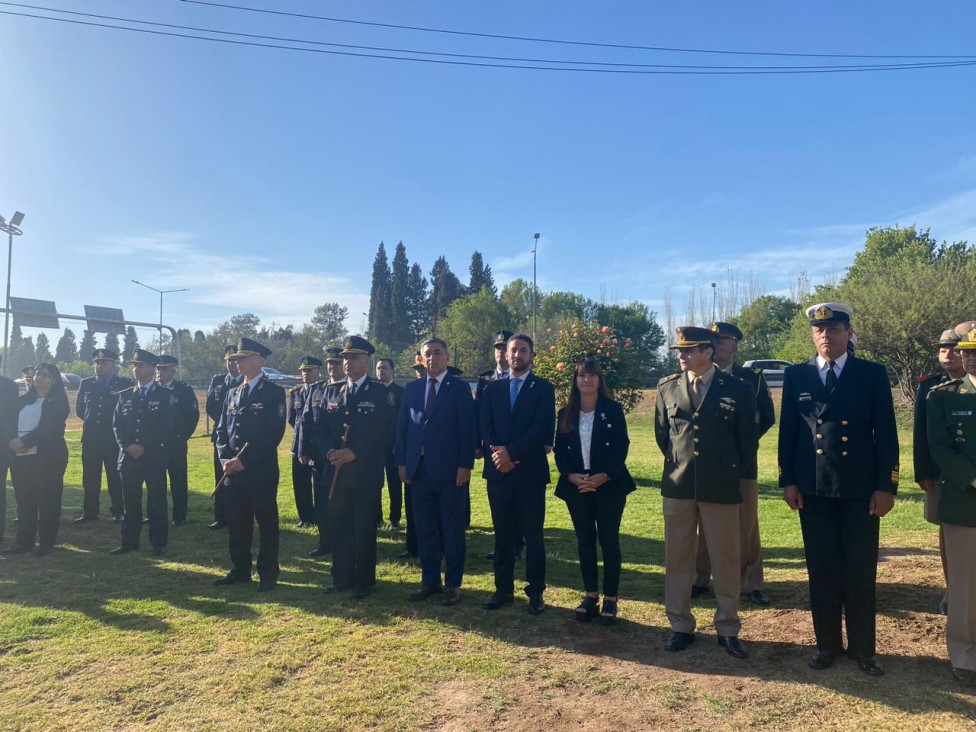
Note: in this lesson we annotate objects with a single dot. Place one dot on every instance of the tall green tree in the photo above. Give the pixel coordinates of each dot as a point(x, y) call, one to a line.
point(480, 276)
point(418, 313)
point(130, 343)
point(765, 324)
point(87, 346)
point(445, 288)
point(401, 332)
point(42, 352)
point(67, 349)
point(517, 297)
point(112, 342)
point(379, 327)
point(329, 324)
point(637, 325)
point(468, 327)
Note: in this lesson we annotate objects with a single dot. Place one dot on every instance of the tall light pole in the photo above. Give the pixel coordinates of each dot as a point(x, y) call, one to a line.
point(12, 231)
point(714, 291)
point(161, 293)
point(535, 249)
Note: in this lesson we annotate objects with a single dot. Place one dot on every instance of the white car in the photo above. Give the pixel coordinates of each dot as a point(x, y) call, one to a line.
point(772, 369)
point(279, 378)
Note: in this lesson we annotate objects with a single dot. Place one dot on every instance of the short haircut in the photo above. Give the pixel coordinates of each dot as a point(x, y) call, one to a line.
point(523, 337)
point(388, 360)
point(432, 341)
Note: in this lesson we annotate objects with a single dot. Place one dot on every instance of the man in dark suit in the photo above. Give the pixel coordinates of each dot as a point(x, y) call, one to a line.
point(394, 484)
point(9, 410)
point(517, 421)
point(435, 442)
point(353, 434)
point(253, 415)
point(750, 548)
point(98, 396)
point(186, 417)
point(838, 463)
point(299, 398)
point(926, 470)
point(143, 425)
point(705, 425)
point(220, 384)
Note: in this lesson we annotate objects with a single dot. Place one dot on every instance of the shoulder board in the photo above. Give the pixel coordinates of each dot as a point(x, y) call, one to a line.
point(951, 382)
point(666, 379)
point(293, 389)
point(928, 377)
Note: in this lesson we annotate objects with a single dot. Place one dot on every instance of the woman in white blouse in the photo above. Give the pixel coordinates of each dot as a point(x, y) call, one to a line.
point(591, 452)
point(39, 459)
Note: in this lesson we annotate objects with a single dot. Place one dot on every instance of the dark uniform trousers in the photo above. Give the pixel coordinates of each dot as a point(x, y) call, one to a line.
point(394, 488)
point(254, 416)
point(9, 411)
point(146, 421)
point(301, 475)
point(216, 394)
point(357, 498)
point(99, 450)
point(38, 486)
point(179, 486)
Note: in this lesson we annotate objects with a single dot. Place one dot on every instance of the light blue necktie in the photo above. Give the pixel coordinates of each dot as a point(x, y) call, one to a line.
point(513, 390)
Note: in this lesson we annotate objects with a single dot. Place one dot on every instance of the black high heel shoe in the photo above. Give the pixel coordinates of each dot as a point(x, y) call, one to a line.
point(588, 609)
point(608, 616)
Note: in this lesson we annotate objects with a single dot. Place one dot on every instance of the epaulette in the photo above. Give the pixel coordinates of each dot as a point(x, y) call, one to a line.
point(486, 374)
point(666, 379)
point(928, 377)
point(950, 382)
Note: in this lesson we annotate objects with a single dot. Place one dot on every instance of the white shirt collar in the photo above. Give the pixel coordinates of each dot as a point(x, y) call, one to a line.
point(358, 382)
point(838, 363)
point(253, 382)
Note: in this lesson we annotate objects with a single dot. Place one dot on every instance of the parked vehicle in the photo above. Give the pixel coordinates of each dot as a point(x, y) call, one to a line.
point(72, 382)
point(279, 378)
point(772, 369)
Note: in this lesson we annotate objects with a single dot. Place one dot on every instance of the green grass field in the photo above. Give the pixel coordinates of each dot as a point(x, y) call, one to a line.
point(90, 641)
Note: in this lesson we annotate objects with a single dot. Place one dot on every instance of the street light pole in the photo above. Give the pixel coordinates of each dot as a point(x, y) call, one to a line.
point(714, 285)
point(12, 230)
point(161, 293)
point(535, 249)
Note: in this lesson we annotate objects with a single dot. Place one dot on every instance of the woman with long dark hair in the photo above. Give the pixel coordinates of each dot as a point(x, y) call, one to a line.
point(40, 457)
point(591, 453)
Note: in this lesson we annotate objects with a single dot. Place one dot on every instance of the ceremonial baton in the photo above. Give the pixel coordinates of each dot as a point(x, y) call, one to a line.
point(335, 475)
point(224, 476)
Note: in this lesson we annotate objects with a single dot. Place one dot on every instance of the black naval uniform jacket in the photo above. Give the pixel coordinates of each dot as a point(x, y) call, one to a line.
point(95, 406)
point(220, 384)
point(709, 450)
point(146, 421)
point(764, 400)
point(371, 417)
point(186, 410)
point(842, 444)
point(256, 419)
point(951, 410)
point(609, 445)
point(299, 400)
point(923, 463)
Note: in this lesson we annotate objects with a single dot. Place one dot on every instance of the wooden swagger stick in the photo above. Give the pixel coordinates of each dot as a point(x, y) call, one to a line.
point(224, 476)
point(335, 475)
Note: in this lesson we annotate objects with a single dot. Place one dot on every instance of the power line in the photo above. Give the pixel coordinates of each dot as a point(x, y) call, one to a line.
point(678, 71)
point(481, 57)
point(531, 39)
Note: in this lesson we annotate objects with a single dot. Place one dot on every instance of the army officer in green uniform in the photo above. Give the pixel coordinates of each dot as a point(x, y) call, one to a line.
point(705, 424)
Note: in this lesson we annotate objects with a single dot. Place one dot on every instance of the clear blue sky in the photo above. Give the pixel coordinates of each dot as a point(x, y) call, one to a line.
point(263, 180)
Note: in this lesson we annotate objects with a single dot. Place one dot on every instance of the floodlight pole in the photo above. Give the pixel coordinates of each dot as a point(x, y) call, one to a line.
point(12, 231)
point(161, 293)
point(714, 291)
point(535, 249)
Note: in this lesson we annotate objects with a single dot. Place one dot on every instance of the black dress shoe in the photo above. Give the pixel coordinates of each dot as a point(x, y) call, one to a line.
point(870, 666)
point(85, 519)
point(490, 555)
point(118, 518)
point(217, 525)
point(943, 608)
point(758, 597)
point(733, 645)
point(333, 590)
point(536, 604)
point(123, 549)
point(363, 592)
point(820, 660)
point(179, 522)
point(159, 550)
point(319, 552)
point(406, 555)
point(697, 591)
point(496, 601)
point(424, 592)
point(267, 585)
point(16, 549)
point(42, 550)
point(452, 596)
point(232, 579)
point(679, 641)
point(964, 676)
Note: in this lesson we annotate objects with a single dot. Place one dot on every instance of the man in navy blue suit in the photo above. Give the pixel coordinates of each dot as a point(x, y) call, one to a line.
point(517, 421)
point(435, 442)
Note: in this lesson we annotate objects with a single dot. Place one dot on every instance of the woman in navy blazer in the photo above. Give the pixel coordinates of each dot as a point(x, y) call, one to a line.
point(594, 484)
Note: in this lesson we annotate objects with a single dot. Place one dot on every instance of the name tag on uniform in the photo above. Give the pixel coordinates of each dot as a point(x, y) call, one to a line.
point(962, 413)
point(805, 397)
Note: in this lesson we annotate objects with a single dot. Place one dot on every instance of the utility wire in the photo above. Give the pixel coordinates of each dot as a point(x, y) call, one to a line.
point(479, 57)
point(558, 40)
point(669, 71)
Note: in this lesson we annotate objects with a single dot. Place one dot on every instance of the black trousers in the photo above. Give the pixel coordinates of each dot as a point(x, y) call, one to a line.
point(596, 517)
point(840, 540)
point(245, 506)
point(134, 476)
point(96, 456)
point(220, 495)
point(38, 486)
point(301, 479)
point(320, 490)
point(395, 489)
point(518, 508)
point(352, 515)
point(179, 486)
point(412, 547)
point(3, 499)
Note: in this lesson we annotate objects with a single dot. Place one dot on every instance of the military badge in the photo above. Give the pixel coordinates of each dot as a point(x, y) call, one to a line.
point(391, 399)
point(281, 410)
point(823, 313)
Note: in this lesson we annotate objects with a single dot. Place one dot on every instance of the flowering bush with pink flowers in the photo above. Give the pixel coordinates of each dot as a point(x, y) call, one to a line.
point(617, 357)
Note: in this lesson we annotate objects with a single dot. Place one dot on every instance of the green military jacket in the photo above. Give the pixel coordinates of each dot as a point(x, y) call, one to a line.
point(764, 400)
point(709, 450)
point(951, 418)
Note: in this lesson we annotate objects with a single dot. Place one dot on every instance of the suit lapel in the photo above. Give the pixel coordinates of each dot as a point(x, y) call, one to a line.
point(439, 396)
point(526, 384)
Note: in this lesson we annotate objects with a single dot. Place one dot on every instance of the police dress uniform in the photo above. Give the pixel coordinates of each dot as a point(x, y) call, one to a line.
point(253, 415)
point(299, 398)
point(95, 406)
point(9, 411)
point(220, 385)
point(839, 447)
point(707, 450)
point(186, 416)
point(144, 416)
point(951, 422)
point(368, 414)
point(394, 487)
